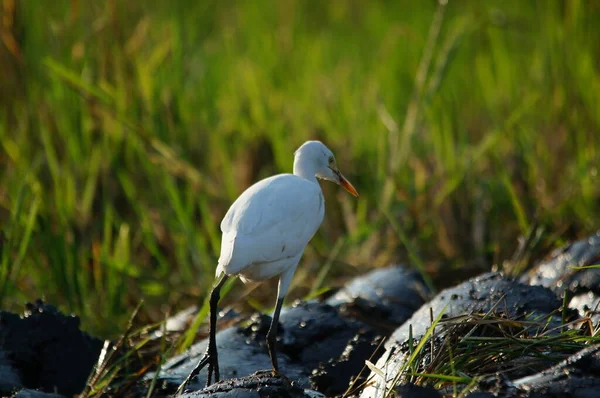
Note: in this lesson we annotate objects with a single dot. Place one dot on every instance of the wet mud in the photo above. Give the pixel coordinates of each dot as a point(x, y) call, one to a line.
point(26, 393)
point(384, 298)
point(323, 346)
point(482, 294)
point(490, 293)
point(410, 390)
point(44, 350)
point(348, 371)
point(559, 273)
point(309, 333)
point(577, 377)
point(239, 355)
point(320, 345)
point(258, 385)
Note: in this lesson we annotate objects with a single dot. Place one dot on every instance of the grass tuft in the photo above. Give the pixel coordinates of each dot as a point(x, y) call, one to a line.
point(472, 348)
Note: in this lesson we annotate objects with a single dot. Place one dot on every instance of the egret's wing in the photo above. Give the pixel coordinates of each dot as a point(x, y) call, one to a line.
point(273, 219)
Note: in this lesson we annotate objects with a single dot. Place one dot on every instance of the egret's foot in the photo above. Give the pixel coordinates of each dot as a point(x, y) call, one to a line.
point(213, 367)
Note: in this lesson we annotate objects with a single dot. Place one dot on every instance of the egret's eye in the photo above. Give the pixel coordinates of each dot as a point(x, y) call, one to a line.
point(331, 160)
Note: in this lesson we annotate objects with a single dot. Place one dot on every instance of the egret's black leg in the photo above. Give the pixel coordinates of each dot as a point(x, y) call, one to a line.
point(209, 358)
point(272, 334)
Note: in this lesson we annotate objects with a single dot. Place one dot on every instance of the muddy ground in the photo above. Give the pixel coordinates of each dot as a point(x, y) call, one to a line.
point(380, 318)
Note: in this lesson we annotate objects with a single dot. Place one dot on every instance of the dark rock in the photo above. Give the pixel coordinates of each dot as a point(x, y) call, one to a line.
point(239, 355)
point(582, 286)
point(578, 376)
point(313, 333)
point(383, 298)
point(47, 349)
point(9, 377)
point(410, 390)
point(557, 274)
point(489, 293)
point(334, 377)
point(309, 333)
point(498, 384)
point(480, 295)
point(257, 385)
point(35, 394)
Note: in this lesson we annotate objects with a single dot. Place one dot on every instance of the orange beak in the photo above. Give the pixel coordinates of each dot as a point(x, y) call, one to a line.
point(344, 183)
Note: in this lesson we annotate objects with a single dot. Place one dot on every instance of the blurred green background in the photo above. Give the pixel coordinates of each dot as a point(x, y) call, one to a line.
point(127, 128)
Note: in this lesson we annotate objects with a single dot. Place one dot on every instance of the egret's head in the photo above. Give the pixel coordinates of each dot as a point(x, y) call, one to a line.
point(315, 156)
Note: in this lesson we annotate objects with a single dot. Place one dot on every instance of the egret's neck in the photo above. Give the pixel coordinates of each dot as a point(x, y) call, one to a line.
point(305, 169)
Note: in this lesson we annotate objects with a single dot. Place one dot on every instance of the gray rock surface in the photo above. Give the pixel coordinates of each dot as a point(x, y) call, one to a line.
point(556, 272)
point(384, 298)
point(239, 356)
point(578, 376)
point(315, 332)
point(258, 385)
point(582, 286)
point(481, 295)
point(311, 334)
point(410, 390)
point(35, 394)
point(335, 376)
point(9, 376)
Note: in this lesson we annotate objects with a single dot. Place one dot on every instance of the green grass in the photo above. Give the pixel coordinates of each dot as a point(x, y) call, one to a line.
point(127, 129)
point(460, 352)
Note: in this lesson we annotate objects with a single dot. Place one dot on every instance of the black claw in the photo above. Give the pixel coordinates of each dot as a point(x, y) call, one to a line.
point(213, 366)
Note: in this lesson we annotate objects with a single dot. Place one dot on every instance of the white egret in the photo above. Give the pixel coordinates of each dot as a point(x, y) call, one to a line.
point(265, 232)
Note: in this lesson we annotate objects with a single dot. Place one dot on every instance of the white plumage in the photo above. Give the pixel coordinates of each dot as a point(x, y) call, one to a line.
point(269, 226)
point(265, 232)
